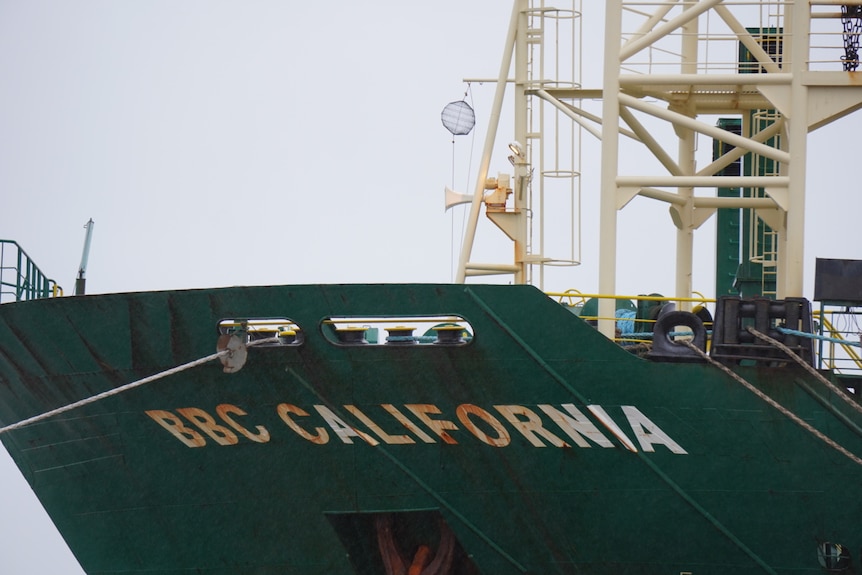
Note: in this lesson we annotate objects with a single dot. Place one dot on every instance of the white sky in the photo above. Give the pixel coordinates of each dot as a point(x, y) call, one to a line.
point(260, 142)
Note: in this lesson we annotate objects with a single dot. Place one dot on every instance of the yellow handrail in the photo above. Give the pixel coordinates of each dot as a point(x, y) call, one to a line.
point(574, 298)
point(575, 293)
point(834, 333)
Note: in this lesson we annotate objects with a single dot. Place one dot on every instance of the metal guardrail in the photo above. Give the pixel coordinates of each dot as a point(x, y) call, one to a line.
point(635, 314)
point(838, 349)
point(839, 329)
point(20, 278)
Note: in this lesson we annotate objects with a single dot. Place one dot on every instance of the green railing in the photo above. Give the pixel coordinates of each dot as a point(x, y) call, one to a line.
point(20, 278)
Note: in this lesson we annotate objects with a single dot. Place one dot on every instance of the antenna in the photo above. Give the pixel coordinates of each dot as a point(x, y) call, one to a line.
point(81, 281)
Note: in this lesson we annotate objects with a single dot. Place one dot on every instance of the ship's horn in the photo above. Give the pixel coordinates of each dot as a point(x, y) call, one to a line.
point(454, 198)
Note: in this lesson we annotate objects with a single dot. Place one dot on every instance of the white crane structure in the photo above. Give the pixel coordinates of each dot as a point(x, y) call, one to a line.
point(785, 68)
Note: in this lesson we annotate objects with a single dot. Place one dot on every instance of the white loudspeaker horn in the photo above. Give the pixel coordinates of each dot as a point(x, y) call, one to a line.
point(454, 198)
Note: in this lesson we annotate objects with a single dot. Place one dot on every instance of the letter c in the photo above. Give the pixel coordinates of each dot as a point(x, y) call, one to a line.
point(284, 411)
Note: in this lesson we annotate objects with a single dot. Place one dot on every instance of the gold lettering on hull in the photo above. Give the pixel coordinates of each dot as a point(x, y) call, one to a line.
point(464, 412)
point(426, 423)
point(285, 409)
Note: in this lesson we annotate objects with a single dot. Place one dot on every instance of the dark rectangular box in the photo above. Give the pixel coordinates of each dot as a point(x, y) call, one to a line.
point(838, 281)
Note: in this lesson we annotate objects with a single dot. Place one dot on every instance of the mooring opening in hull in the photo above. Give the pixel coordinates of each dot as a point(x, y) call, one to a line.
point(406, 542)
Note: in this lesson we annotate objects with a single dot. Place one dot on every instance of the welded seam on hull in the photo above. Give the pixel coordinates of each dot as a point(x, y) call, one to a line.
point(807, 367)
point(643, 457)
point(530, 351)
point(780, 408)
point(829, 407)
point(427, 488)
point(706, 514)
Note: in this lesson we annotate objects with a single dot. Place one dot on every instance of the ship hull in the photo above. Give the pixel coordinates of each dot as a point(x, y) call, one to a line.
point(538, 445)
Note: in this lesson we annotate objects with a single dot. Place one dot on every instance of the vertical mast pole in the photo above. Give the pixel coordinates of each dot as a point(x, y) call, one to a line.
point(81, 281)
point(790, 267)
point(490, 139)
point(610, 159)
point(686, 159)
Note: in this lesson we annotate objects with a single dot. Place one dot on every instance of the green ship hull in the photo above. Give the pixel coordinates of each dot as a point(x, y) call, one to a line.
point(280, 430)
point(535, 445)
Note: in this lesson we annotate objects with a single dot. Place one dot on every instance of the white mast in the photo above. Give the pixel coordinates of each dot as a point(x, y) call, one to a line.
point(544, 179)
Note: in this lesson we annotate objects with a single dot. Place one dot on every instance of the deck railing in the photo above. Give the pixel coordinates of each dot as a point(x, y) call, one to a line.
point(839, 330)
point(838, 347)
point(20, 278)
point(635, 315)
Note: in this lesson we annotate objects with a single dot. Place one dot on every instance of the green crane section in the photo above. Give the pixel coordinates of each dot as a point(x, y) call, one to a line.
point(746, 246)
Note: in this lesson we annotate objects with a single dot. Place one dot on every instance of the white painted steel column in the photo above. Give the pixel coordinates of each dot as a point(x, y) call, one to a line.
point(685, 233)
point(687, 165)
point(791, 265)
point(610, 161)
point(519, 200)
point(490, 139)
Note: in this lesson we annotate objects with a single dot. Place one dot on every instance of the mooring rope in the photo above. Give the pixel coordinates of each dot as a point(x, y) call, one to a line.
point(783, 410)
point(128, 386)
point(807, 366)
point(818, 337)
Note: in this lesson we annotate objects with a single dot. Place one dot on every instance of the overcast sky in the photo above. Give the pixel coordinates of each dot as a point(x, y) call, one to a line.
point(223, 142)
